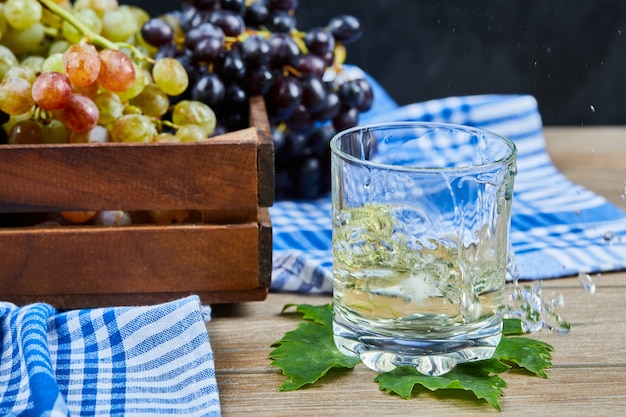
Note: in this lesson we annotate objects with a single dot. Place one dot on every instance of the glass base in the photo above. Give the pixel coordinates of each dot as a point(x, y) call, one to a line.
point(430, 356)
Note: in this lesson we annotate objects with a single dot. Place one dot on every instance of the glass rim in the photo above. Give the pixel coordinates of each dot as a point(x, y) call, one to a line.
point(505, 160)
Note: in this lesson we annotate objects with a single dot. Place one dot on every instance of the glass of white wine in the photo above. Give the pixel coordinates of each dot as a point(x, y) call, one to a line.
point(421, 218)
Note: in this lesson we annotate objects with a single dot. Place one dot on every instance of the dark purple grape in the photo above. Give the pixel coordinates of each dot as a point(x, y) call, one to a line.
point(331, 108)
point(220, 129)
point(258, 81)
point(319, 140)
point(345, 28)
point(208, 49)
point(351, 93)
point(284, 50)
point(368, 96)
point(298, 144)
point(319, 41)
point(203, 31)
point(301, 120)
point(281, 142)
point(237, 6)
point(281, 22)
point(313, 92)
point(311, 64)
point(256, 14)
point(209, 89)
point(166, 51)
point(232, 66)
point(206, 4)
point(285, 5)
point(230, 22)
point(283, 98)
point(309, 176)
point(157, 32)
point(235, 97)
point(4, 137)
point(255, 50)
point(348, 117)
point(192, 18)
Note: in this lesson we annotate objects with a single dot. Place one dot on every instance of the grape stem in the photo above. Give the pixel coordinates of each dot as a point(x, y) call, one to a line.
point(91, 36)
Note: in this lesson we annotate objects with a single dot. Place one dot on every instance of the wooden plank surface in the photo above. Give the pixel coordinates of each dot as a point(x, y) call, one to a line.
point(589, 371)
point(218, 174)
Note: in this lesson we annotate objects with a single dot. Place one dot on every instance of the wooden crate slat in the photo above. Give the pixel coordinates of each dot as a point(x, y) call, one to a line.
point(218, 174)
point(125, 260)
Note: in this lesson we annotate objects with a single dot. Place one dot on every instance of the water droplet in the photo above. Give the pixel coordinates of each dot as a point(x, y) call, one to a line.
point(593, 109)
point(587, 282)
point(609, 236)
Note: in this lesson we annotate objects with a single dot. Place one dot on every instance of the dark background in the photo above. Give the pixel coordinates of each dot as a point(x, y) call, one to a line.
point(570, 55)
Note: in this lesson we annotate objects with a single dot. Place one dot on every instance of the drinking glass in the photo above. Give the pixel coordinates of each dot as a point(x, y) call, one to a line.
point(421, 218)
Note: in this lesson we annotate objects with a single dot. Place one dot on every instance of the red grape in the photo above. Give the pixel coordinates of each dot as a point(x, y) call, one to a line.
point(52, 90)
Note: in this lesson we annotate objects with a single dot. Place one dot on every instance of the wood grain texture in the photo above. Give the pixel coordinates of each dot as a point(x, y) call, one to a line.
point(589, 363)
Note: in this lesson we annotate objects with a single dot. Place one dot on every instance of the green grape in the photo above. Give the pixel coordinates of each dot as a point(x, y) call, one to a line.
point(7, 60)
point(15, 96)
point(4, 26)
point(170, 76)
point(54, 63)
point(26, 40)
point(152, 101)
point(133, 128)
point(33, 62)
point(58, 46)
point(26, 132)
point(54, 132)
point(165, 137)
point(100, 6)
point(86, 16)
point(22, 14)
point(190, 133)
point(119, 25)
point(22, 72)
point(110, 106)
point(98, 134)
point(50, 19)
point(194, 112)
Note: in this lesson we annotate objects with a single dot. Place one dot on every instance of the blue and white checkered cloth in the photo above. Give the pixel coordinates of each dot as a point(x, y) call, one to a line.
point(558, 228)
point(117, 361)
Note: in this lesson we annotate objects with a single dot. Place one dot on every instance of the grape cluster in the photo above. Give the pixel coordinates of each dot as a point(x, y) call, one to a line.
point(234, 49)
point(98, 71)
point(80, 72)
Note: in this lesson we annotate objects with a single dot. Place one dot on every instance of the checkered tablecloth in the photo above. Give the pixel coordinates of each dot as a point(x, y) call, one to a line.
point(117, 361)
point(558, 228)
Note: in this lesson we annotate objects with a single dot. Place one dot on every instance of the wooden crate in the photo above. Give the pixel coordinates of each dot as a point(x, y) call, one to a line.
point(225, 257)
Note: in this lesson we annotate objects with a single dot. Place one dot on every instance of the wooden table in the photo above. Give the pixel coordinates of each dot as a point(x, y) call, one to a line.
point(589, 373)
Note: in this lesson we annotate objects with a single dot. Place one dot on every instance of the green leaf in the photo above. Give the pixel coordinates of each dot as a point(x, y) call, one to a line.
point(512, 327)
point(532, 355)
point(477, 377)
point(307, 353)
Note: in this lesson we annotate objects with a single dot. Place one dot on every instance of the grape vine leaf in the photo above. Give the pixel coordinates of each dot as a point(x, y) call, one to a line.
point(532, 355)
point(479, 377)
point(307, 353)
